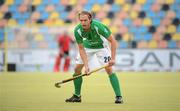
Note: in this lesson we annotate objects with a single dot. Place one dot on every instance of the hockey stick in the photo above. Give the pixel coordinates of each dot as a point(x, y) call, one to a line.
point(58, 84)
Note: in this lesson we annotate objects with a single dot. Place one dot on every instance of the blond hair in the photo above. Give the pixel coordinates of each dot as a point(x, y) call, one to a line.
point(89, 14)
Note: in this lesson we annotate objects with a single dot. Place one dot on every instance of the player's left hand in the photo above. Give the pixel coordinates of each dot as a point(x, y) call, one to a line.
point(111, 62)
point(87, 69)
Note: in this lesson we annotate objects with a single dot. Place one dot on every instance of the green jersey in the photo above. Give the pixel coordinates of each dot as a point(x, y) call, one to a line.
point(93, 39)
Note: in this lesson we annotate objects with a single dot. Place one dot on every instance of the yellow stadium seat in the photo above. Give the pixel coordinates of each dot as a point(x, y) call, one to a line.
point(153, 44)
point(12, 22)
point(59, 22)
point(51, 22)
point(120, 2)
point(176, 37)
point(54, 15)
point(141, 2)
point(106, 21)
point(127, 37)
point(126, 7)
point(96, 8)
point(133, 14)
point(36, 2)
point(72, 2)
point(147, 22)
point(38, 37)
point(171, 29)
point(170, 2)
point(114, 29)
point(1, 15)
point(9, 2)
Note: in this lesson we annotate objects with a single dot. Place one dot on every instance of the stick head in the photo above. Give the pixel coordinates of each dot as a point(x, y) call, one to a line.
point(57, 85)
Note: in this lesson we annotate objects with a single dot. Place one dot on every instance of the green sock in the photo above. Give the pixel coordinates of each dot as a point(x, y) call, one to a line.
point(77, 85)
point(115, 84)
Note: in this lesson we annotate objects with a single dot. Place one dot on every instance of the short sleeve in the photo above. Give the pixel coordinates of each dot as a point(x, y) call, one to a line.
point(78, 38)
point(104, 30)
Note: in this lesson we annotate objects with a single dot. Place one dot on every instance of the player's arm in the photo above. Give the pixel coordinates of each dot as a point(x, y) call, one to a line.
point(82, 52)
point(112, 41)
point(104, 30)
point(83, 57)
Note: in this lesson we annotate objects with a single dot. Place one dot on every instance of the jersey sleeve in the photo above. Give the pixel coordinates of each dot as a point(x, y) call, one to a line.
point(78, 38)
point(104, 30)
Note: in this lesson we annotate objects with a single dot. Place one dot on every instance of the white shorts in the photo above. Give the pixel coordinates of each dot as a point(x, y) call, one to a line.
point(96, 57)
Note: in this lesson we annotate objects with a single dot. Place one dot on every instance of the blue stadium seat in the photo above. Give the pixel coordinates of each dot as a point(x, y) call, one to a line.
point(92, 1)
point(48, 37)
point(127, 22)
point(44, 15)
point(161, 14)
point(21, 21)
point(150, 1)
point(44, 29)
point(147, 37)
point(10, 36)
point(16, 15)
point(45, 2)
point(123, 44)
point(25, 15)
point(178, 28)
point(52, 45)
point(151, 14)
point(137, 37)
point(156, 21)
point(1, 34)
point(115, 8)
point(63, 15)
point(55, 2)
point(101, 1)
point(40, 8)
point(142, 29)
point(60, 8)
point(132, 29)
point(177, 14)
point(146, 7)
point(177, 1)
point(18, 2)
point(88, 7)
point(172, 44)
point(13, 8)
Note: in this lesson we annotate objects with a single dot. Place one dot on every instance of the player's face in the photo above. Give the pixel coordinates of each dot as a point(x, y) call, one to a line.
point(85, 22)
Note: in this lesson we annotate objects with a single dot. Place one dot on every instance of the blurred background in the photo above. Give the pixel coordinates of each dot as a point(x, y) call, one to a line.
point(147, 32)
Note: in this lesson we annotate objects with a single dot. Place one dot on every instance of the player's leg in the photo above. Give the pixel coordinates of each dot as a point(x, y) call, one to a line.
point(77, 85)
point(57, 63)
point(66, 64)
point(115, 84)
point(104, 57)
point(78, 82)
point(67, 61)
